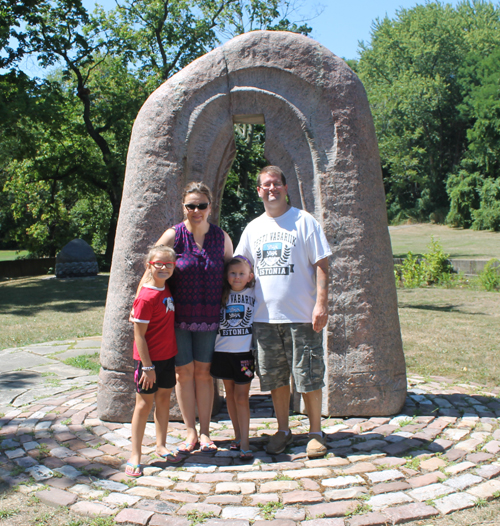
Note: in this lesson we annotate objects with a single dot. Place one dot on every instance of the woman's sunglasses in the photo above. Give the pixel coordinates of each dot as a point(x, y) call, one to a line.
point(192, 206)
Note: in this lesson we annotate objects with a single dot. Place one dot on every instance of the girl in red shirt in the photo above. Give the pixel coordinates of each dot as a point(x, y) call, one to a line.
point(154, 355)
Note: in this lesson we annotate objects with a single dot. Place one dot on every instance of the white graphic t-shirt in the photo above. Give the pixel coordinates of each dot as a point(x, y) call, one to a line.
point(283, 251)
point(236, 318)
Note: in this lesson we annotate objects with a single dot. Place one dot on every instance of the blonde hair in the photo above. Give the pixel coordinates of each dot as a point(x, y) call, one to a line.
point(197, 187)
point(227, 288)
point(157, 249)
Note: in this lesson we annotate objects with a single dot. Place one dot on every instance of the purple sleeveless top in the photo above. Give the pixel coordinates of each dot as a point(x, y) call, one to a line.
point(198, 279)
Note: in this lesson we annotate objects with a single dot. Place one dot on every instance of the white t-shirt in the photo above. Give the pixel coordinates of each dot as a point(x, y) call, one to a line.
point(283, 251)
point(236, 318)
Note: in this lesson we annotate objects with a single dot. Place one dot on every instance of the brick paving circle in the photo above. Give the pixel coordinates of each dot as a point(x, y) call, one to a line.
point(440, 455)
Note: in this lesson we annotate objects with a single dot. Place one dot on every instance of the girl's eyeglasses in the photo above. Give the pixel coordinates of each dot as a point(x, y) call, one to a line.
point(193, 207)
point(161, 264)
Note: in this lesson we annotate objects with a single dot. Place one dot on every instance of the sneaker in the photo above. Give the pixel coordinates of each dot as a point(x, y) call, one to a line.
point(278, 442)
point(316, 447)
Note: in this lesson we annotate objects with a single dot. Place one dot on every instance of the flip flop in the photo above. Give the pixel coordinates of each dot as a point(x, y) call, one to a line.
point(246, 455)
point(133, 470)
point(171, 457)
point(208, 447)
point(235, 445)
point(187, 447)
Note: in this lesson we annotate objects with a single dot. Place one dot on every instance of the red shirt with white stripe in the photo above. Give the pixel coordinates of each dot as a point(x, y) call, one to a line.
point(155, 307)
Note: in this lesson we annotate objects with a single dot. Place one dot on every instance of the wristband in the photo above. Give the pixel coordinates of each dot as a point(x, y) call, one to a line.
point(148, 368)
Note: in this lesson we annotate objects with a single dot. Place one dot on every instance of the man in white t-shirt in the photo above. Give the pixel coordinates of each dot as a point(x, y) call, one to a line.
point(289, 251)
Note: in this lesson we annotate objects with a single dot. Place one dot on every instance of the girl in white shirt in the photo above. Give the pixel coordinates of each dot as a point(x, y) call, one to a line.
point(233, 360)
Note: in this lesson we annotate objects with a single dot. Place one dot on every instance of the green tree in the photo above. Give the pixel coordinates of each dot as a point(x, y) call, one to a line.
point(108, 63)
point(413, 70)
point(240, 204)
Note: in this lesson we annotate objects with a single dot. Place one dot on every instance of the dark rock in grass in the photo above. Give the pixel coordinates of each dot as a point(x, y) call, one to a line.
point(76, 260)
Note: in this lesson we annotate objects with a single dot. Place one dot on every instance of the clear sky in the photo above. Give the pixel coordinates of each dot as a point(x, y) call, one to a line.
point(342, 23)
point(339, 27)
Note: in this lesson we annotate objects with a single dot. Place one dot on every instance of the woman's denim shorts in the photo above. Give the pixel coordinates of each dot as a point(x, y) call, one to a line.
point(194, 345)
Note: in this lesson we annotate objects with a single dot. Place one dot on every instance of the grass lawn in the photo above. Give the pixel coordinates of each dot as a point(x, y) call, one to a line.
point(9, 255)
point(452, 333)
point(40, 309)
point(446, 332)
point(459, 243)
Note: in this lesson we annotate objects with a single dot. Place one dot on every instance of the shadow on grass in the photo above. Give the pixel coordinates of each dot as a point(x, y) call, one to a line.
point(442, 308)
point(26, 297)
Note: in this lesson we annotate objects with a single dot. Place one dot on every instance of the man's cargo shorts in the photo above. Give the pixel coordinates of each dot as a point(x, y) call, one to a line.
point(289, 348)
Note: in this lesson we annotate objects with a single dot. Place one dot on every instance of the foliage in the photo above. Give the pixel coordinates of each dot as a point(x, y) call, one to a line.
point(431, 74)
point(198, 517)
point(487, 217)
point(432, 267)
point(410, 273)
point(240, 203)
point(436, 264)
point(489, 277)
point(269, 509)
point(6, 514)
point(64, 138)
point(359, 510)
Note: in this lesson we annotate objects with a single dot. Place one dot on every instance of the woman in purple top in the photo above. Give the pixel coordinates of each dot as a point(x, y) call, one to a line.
point(202, 249)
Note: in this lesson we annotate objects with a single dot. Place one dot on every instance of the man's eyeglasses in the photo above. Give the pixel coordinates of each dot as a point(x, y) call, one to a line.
point(267, 186)
point(200, 206)
point(160, 264)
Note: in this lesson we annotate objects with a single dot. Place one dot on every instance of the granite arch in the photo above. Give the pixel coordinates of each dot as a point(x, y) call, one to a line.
point(319, 130)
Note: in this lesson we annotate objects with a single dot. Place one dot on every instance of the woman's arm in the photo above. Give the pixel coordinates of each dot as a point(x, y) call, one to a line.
point(167, 239)
point(228, 247)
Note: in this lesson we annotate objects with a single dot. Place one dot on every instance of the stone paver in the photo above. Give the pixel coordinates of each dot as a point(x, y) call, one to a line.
point(131, 516)
point(416, 511)
point(91, 509)
point(59, 441)
point(455, 502)
point(486, 490)
point(56, 497)
point(429, 492)
point(463, 481)
point(370, 519)
point(379, 502)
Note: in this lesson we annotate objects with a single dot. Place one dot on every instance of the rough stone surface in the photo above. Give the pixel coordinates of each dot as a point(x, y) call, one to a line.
point(100, 488)
point(91, 509)
point(410, 512)
point(455, 502)
point(486, 490)
point(379, 502)
point(76, 259)
point(326, 145)
point(370, 519)
point(131, 516)
point(56, 497)
point(326, 522)
point(430, 492)
point(332, 509)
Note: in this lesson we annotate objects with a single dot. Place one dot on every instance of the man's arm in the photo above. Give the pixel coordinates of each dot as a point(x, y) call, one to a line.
point(320, 311)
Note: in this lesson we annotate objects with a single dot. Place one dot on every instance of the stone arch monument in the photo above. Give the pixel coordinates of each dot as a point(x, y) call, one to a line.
point(319, 130)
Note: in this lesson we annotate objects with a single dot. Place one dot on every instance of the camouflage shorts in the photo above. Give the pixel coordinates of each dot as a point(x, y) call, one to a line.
point(286, 349)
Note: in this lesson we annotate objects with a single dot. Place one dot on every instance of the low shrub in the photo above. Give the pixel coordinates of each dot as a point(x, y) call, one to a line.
point(432, 267)
point(489, 277)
